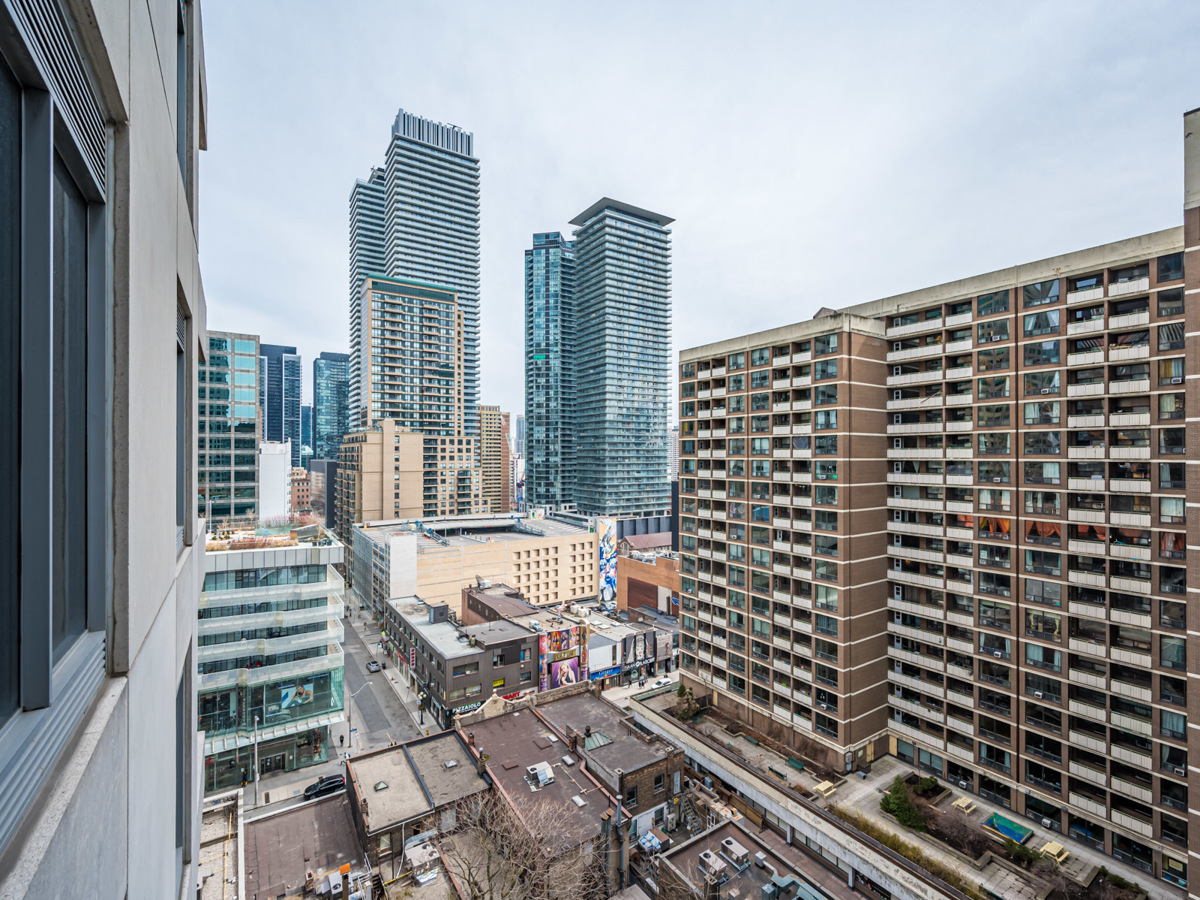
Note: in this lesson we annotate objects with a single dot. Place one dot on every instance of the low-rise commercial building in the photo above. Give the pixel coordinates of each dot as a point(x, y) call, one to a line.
point(269, 654)
point(301, 488)
point(453, 667)
point(550, 561)
point(648, 580)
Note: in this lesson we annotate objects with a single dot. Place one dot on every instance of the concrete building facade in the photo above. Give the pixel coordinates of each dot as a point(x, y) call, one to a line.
point(102, 117)
point(229, 429)
point(1007, 457)
point(379, 476)
point(548, 560)
point(495, 458)
point(275, 482)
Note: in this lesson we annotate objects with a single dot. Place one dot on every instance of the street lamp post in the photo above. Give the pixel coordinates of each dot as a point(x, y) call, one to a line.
point(421, 706)
point(350, 711)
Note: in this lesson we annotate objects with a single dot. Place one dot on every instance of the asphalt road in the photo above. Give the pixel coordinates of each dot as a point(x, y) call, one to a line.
point(379, 715)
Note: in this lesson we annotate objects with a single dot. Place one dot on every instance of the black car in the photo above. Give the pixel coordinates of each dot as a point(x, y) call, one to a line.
point(329, 784)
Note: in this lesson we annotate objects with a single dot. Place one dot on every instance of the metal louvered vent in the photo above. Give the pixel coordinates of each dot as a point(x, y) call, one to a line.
point(181, 329)
point(52, 45)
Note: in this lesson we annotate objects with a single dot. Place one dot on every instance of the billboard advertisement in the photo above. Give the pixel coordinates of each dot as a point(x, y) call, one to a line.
point(295, 695)
point(565, 671)
point(607, 529)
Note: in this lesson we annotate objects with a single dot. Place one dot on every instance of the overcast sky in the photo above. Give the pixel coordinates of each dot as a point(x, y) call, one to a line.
point(815, 154)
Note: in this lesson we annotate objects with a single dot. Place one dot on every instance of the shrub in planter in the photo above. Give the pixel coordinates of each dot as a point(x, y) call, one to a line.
point(899, 803)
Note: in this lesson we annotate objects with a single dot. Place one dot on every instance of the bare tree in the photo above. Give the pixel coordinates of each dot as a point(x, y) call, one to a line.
point(957, 829)
point(499, 851)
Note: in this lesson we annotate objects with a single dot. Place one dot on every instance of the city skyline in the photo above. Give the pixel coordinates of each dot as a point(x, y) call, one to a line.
point(830, 123)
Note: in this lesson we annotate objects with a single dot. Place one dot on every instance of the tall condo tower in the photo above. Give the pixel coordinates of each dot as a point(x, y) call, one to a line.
point(417, 218)
point(367, 205)
point(621, 359)
point(548, 433)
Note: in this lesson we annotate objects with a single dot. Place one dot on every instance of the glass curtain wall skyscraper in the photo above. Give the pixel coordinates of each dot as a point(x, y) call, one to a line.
point(227, 460)
point(279, 395)
point(331, 412)
point(548, 433)
point(622, 360)
point(418, 218)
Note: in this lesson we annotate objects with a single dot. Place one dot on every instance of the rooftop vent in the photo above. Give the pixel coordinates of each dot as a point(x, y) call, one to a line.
point(579, 801)
point(381, 786)
point(568, 760)
point(450, 763)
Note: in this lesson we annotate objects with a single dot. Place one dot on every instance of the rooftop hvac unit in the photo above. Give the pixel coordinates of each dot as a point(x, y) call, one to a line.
point(712, 864)
point(1045, 823)
point(736, 852)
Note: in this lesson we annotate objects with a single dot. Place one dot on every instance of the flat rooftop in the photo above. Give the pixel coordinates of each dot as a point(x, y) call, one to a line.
point(465, 531)
point(292, 534)
point(416, 777)
point(742, 880)
point(513, 742)
point(282, 847)
point(497, 632)
point(442, 636)
point(615, 742)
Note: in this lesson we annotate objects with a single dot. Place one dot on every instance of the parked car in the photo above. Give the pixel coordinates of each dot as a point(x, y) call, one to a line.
point(663, 682)
point(328, 784)
point(372, 666)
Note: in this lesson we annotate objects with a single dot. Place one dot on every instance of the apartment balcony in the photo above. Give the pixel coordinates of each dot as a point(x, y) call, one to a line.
point(959, 399)
point(1086, 710)
point(960, 453)
point(1096, 451)
point(1079, 801)
point(1085, 296)
point(1132, 823)
point(914, 378)
point(1127, 288)
point(928, 581)
point(1130, 585)
point(1085, 421)
point(1130, 485)
point(1130, 520)
point(965, 425)
point(804, 381)
point(1091, 389)
point(1126, 551)
point(705, 656)
point(899, 331)
point(1087, 773)
point(958, 346)
point(958, 373)
point(704, 413)
point(1087, 485)
point(1085, 515)
point(1132, 725)
point(913, 478)
point(1141, 760)
point(718, 432)
point(909, 503)
point(966, 620)
point(917, 634)
point(915, 428)
point(915, 683)
point(803, 674)
point(961, 534)
point(959, 671)
point(1132, 691)
point(915, 734)
point(917, 709)
point(895, 356)
point(961, 480)
point(704, 616)
point(961, 752)
point(802, 357)
point(1091, 579)
point(960, 319)
point(1089, 326)
point(917, 659)
point(719, 683)
point(959, 645)
point(718, 392)
point(966, 699)
point(962, 726)
point(1131, 386)
point(802, 405)
point(1087, 548)
point(956, 506)
point(914, 528)
point(1090, 611)
point(804, 650)
point(804, 723)
point(1088, 358)
point(802, 501)
point(916, 403)
point(917, 609)
point(1129, 452)
point(1087, 741)
point(703, 393)
point(802, 429)
point(719, 641)
point(1091, 648)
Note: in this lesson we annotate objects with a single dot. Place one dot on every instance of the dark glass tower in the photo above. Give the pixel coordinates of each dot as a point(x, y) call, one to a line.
point(331, 408)
point(279, 395)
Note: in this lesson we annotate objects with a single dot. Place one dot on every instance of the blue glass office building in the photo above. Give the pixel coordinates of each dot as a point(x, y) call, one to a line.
point(331, 405)
point(279, 395)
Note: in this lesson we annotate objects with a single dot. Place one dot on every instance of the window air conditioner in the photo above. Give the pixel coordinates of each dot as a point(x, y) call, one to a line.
point(1045, 823)
point(997, 654)
point(823, 705)
point(964, 784)
point(1045, 390)
point(1038, 694)
point(1178, 770)
point(996, 480)
point(1176, 381)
